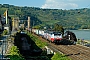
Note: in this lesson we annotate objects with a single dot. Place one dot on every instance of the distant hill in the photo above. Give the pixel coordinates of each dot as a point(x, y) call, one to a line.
point(69, 19)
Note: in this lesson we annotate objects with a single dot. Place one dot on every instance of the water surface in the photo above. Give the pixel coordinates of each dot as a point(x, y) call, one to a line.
point(82, 34)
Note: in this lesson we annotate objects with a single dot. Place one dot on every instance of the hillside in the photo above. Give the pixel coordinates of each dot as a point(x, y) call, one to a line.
point(69, 19)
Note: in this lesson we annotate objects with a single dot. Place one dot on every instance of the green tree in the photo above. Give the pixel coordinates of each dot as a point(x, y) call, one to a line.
point(58, 27)
point(59, 56)
point(5, 32)
point(14, 54)
point(38, 16)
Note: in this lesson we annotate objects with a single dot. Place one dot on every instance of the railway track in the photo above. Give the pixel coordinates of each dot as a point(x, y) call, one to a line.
point(75, 52)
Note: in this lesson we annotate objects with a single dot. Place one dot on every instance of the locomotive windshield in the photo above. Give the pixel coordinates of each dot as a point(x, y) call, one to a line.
point(57, 33)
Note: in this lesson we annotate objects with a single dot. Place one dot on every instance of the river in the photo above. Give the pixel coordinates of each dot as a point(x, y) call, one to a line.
point(82, 34)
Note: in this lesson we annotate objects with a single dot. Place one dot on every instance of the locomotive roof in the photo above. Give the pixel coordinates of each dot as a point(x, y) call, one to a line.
point(54, 32)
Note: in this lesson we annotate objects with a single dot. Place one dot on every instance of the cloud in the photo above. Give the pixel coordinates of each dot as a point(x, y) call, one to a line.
point(60, 4)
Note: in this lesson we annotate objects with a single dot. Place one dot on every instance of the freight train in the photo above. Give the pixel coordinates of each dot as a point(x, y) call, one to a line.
point(56, 37)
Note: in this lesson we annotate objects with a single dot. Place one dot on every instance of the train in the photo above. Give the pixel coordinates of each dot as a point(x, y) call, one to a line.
point(57, 37)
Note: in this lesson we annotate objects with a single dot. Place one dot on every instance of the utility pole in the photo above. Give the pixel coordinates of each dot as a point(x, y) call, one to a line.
point(17, 23)
point(13, 24)
point(28, 23)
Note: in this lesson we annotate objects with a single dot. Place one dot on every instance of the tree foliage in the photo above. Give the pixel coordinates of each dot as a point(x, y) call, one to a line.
point(58, 27)
point(59, 56)
point(15, 54)
point(69, 19)
point(5, 32)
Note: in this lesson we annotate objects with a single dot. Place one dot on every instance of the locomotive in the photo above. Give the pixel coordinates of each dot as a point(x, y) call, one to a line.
point(69, 38)
point(57, 37)
point(53, 36)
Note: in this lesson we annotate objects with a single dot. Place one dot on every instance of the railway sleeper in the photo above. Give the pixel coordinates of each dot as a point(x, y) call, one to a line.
point(72, 54)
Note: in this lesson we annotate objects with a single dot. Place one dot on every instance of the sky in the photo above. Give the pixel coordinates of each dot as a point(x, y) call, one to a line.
point(50, 4)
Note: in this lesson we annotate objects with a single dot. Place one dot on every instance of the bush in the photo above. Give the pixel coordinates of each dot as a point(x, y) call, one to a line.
point(14, 51)
point(59, 56)
point(5, 32)
point(38, 42)
point(14, 54)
